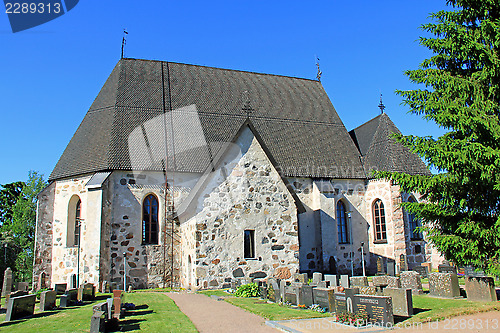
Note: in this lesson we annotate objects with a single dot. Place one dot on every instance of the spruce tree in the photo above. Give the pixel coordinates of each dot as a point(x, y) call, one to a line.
point(460, 91)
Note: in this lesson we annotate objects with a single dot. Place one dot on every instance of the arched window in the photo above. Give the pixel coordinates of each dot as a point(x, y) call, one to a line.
point(74, 221)
point(413, 223)
point(78, 210)
point(342, 223)
point(379, 221)
point(150, 220)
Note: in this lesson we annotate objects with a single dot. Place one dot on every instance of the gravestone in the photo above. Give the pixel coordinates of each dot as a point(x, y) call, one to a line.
point(20, 307)
point(403, 266)
point(305, 296)
point(23, 286)
point(391, 267)
point(380, 266)
point(359, 281)
point(411, 280)
point(340, 303)
point(118, 297)
point(324, 297)
point(332, 279)
point(86, 292)
point(386, 281)
point(317, 278)
point(97, 322)
point(291, 298)
point(422, 270)
point(323, 284)
point(480, 289)
point(263, 289)
point(60, 288)
point(48, 300)
point(471, 271)
point(370, 290)
point(302, 277)
point(447, 269)
point(69, 298)
point(7, 282)
point(109, 304)
point(283, 285)
point(273, 291)
point(344, 281)
point(345, 302)
point(377, 308)
point(444, 285)
point(402, 302)
point(18, 293)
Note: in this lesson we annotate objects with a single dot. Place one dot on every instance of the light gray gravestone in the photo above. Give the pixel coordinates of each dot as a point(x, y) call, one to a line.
point(20, 307)
point(48, 300)
point(402, 302)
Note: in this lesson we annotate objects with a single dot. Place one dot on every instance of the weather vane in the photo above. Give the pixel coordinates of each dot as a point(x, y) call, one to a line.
point(381, 105)
point(318, 75)
point(124, 40)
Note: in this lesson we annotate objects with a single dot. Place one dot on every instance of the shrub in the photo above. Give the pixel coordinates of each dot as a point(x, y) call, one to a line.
point(39, 292)
point(248, 290)
point(352, 318)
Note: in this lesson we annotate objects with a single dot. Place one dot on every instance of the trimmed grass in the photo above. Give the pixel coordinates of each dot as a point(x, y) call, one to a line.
point(273, 311)
point(428, 308)
point(159, 315)
point(214, 292)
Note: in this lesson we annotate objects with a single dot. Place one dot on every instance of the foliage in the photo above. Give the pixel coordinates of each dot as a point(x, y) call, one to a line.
point(248, 290)
point(461, 206)
point(9, 194)
point(38, 293)
point(19, 231)
point(317, 308)
point(352, 318)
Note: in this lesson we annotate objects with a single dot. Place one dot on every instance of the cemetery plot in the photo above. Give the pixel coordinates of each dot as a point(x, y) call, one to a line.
point(377, 308)
point(20, 307)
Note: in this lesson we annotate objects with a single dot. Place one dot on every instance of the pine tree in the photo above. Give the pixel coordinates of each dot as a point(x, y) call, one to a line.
point(461, 93)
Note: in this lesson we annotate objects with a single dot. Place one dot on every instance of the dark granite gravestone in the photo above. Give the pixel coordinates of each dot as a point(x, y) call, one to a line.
point(402, 302)
point(370, 290)
point(422, 270)
point(345, 302)
point(378, 309)
point(86, 292)
point(359, 281)
point(403, 266)
point(317, 278)
point(447, 269)
point(69, 298)
point(386, 281)
point(344, 281)
point(444, 285)
point(340, 301)
point(48, 300)
point(273, 291)
point(20, 307)
point(324, 297)
point(391, 267)
point(305, 296)
point(23, 286)
point(380, 266)
point(18, 293)
point(60, 288)
point(480, 289)
point(411, 280)
point(7, 282)
point(332, 279)
point(263, 292)
point(471, 271)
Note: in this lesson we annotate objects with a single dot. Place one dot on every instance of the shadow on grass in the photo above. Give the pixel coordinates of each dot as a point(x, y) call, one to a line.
point(130, 325)
point(35, 316)
point(102, 297)
point(138, 313)
point(419, 310)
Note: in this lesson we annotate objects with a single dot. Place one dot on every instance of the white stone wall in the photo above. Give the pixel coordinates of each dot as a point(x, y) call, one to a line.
point(244, 192)
point(64, 257)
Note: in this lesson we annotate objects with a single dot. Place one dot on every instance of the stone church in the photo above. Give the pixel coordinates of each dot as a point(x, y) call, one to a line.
point(189, 176)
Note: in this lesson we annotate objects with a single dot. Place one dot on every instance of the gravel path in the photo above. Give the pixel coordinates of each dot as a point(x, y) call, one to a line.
point(210, 315)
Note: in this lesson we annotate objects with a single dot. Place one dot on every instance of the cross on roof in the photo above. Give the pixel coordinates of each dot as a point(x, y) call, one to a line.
point(381, 105)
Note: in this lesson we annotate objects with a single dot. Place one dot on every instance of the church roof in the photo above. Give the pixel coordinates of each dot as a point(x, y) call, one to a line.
point(381, 152)
point(126, 125)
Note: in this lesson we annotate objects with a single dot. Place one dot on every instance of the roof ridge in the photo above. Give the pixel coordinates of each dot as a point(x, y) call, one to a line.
point(224, 69)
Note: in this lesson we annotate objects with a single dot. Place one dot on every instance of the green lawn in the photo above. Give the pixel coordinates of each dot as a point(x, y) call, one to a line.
point(156, 312)
point(428, 308)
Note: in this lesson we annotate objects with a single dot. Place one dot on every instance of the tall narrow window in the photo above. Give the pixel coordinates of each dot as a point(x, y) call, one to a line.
point(414, 223)
point(342, 223)
point(249, 244)
point(78, 210)
point(150, 220)
point(379, 220)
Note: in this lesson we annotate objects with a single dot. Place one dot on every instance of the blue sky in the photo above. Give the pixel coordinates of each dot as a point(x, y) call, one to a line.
point(49, 75)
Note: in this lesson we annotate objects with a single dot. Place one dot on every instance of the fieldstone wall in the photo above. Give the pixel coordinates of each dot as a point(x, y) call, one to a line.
point(43, 235)
point(246, 194)
point(64, 254)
